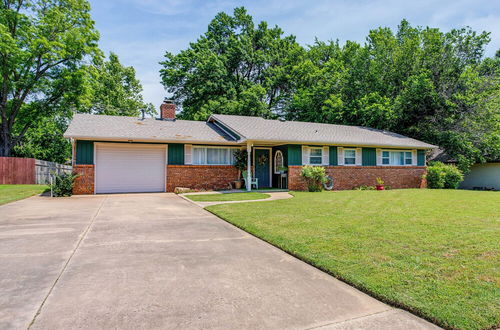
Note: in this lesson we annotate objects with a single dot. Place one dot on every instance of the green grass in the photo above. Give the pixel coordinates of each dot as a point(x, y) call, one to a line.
point(14, 192)
point(432, 252)
point(228, 197)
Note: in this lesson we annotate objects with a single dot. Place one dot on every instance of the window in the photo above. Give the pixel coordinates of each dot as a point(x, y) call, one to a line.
point(350, 156)
point(278, 162)
point(397, 158)
point(213, 156)
point(315, 156)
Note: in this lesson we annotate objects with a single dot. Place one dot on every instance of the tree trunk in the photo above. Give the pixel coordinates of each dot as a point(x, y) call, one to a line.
point(5, 141)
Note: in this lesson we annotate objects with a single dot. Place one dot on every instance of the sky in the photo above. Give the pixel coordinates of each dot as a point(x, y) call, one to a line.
point(141, 31)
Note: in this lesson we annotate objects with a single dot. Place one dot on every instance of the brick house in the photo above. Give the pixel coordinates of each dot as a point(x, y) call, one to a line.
point(128, 154)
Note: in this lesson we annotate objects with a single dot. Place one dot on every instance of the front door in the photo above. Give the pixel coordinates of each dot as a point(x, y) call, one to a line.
point(262, 167)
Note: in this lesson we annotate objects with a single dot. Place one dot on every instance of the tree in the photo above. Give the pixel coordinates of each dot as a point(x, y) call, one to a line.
point(113, 89)
point(43, 44)
point(421, 82)
point(431, 85)
point(45, 141)
point(234, 68)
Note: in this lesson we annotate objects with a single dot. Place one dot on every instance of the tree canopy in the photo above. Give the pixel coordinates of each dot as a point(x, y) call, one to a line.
point(431, 85)
point(113, 89)
point(51, 67)
point(42, 46)
point(234, 68)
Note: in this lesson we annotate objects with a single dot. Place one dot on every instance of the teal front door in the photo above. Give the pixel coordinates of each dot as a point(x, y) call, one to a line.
point(262, 167)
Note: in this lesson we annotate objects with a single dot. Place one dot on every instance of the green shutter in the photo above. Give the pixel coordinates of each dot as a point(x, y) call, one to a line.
point(369, 157)
point(294, 154)
point(421, 157)
point(84, 152)
point(333, 156)
point(176, 154)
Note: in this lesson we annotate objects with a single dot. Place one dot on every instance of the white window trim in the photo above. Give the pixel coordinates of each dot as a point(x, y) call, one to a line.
point(355, 156)
point(276, 171)
point(188, 154)
point(309, 156)
point(413, 159)
point(206, 154)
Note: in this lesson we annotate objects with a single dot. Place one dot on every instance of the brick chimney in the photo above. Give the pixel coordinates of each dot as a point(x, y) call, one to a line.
point(167, 110)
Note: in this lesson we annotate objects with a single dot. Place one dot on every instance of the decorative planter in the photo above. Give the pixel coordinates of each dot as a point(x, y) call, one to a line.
point(237, 184)
point(380, 187)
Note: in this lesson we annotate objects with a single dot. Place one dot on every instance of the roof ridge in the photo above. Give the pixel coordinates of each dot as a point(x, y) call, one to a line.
point(133, 117)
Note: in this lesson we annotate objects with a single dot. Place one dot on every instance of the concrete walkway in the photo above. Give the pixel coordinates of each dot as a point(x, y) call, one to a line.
point(273, 196)
point(151, 261)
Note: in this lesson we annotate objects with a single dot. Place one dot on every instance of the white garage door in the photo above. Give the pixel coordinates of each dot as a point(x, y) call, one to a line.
point(124, 167)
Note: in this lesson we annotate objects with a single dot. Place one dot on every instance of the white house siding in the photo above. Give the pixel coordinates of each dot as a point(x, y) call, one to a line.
point(483, 176)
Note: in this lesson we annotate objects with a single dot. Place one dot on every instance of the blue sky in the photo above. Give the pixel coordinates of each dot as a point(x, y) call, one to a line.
point(140, 31)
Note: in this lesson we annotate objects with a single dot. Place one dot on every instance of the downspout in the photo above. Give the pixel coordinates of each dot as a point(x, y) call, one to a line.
point(249, 167)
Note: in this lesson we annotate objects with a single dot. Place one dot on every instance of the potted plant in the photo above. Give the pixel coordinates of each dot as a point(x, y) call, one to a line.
point(380, 184)
point(240, 162)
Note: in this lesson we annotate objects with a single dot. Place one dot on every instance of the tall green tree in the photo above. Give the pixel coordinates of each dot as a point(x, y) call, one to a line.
point(113, 89)
point(43, 45)
point(421, 82)
point(234, 68)
point(45, 141)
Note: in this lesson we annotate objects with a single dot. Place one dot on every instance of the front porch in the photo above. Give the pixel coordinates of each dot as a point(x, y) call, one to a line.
point(268, 166)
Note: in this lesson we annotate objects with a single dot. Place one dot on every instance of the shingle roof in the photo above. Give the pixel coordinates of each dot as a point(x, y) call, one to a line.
point(259, 129)
point(102, 127)
point(86, 126)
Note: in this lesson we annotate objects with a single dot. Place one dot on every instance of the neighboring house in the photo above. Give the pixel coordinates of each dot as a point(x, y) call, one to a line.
point(127, 154)
point(484, 176)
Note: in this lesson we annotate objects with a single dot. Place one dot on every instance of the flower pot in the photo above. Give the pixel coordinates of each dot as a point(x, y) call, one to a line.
point(237, 184)
point(379, 187)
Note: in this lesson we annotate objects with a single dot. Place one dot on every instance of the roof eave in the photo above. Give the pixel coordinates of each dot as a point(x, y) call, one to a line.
point(343, 144)
point(139, 139)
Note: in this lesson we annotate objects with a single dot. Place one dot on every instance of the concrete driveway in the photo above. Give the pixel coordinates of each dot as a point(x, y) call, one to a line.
point(144, 261)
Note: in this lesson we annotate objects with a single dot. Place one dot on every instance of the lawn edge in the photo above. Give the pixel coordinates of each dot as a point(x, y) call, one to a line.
point(24, 197)
point(223, 201)
point(388, 301)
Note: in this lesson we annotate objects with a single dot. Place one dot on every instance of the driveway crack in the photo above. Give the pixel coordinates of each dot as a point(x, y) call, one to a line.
point(85, 232)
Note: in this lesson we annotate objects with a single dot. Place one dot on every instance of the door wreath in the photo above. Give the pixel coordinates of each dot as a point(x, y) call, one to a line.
point(262, 160)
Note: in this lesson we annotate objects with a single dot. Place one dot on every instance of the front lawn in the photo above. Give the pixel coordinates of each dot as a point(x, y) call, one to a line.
point(14, 192)
point(433, 252)
point(228, 197)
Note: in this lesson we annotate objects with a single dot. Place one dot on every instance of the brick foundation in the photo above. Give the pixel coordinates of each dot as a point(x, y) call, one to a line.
point(349, 177)
point(200, 176)
point(84, 184)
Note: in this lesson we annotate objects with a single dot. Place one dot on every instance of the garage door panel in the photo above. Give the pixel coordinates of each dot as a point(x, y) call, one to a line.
point(130, 168)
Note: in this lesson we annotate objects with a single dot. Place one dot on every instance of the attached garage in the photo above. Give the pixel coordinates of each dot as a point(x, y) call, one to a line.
point(124, 167)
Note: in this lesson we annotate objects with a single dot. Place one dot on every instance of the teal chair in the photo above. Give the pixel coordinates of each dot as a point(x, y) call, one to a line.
point(253, 181)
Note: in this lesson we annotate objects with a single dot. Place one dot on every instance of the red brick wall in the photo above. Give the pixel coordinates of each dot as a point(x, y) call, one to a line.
point(349, 177)
point(84, 184)
point(205, 177)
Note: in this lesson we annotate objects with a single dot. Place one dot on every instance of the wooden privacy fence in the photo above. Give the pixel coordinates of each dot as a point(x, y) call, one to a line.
point(14, 170)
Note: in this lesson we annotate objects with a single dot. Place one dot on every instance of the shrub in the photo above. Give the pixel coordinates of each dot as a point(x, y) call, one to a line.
point(315, 177)
point(441, 176)
point(453, 177)
point(364, 188)
point(240, 161)
point(62, 185)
